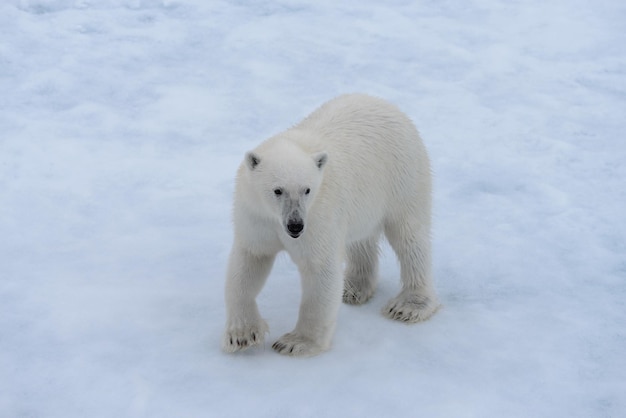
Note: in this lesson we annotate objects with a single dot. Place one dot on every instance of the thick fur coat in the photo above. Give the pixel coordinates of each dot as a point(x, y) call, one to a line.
point(325, 191)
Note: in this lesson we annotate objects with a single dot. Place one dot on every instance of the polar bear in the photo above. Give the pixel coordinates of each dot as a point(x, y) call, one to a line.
point(325, 191)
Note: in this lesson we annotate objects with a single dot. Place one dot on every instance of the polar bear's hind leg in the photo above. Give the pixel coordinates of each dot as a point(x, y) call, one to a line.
point(417, 301)
point(361, 272)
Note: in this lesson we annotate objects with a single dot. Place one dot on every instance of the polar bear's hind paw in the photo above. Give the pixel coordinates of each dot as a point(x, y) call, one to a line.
point(356, 296)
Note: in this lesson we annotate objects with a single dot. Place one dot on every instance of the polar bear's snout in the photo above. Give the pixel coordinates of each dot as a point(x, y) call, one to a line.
point(294, 213)
point(295, 227)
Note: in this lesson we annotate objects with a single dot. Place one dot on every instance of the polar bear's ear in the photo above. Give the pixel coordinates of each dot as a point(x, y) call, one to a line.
point(252, 160)
point(321, 158)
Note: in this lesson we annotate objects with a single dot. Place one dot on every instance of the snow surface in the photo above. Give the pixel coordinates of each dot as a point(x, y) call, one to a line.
point(122, 123)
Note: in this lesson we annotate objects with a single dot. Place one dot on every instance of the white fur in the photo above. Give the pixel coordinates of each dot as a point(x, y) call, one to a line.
point(352, 170)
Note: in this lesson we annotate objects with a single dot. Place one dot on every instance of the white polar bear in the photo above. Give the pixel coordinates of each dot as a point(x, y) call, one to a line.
point(323, 191)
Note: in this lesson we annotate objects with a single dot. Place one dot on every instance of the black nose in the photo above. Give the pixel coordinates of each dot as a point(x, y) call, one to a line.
point(295, 228)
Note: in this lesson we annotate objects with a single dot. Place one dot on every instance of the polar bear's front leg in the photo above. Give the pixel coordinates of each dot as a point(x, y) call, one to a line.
point(321, 299)
point(246, 276)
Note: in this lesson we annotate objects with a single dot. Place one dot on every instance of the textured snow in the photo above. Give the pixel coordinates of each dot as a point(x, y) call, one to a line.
point(122, 123)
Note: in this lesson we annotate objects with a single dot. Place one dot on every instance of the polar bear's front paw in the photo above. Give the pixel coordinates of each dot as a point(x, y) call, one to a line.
point(237, 338)
point(411, 307)
point(293, 344)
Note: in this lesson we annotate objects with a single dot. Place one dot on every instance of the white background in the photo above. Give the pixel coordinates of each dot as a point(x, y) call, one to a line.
point(122, 123)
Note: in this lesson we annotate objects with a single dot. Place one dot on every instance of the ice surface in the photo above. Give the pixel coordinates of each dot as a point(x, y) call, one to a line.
point(122, 123)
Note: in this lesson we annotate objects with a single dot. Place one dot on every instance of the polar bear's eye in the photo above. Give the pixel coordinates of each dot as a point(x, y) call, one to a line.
point(278, 192)
point(307, 191)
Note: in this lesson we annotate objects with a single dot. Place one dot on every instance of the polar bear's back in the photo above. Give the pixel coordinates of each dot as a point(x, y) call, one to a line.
point(358, 129)
point(375, 153)
point(365, 127)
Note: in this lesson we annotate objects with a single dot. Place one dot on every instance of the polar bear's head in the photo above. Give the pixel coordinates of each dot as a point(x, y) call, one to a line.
point(286, 182)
